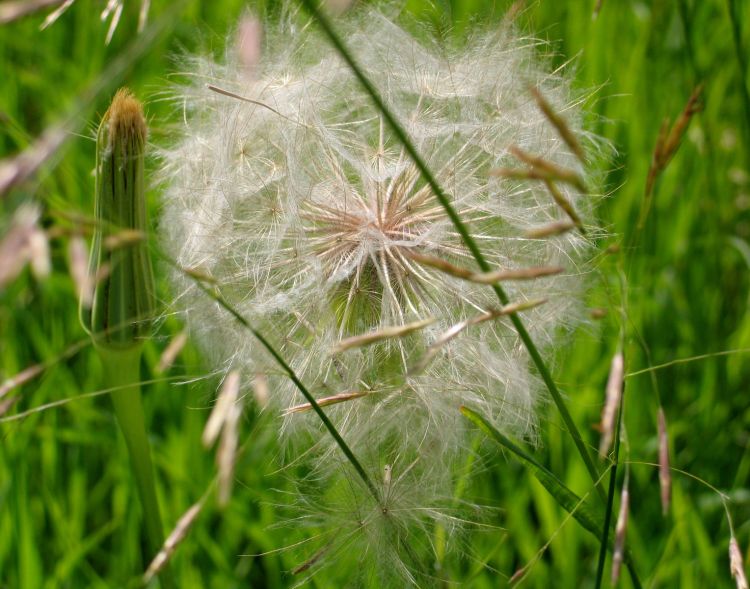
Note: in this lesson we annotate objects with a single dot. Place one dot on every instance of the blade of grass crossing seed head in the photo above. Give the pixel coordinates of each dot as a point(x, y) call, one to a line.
point(461, 229)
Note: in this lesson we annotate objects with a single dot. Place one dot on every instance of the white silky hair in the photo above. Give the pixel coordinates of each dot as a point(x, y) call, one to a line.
point(304, 208)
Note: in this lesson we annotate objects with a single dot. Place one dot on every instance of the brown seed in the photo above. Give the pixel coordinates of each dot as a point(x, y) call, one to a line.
point(598, 313)
point(546, 170)
point(177, 535)
point(564, 204)
point(123, 238)
point(667, 143)
point(366, 339)
point(516, 274)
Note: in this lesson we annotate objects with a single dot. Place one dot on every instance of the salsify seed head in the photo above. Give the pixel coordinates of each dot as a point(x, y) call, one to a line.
point(290, 191)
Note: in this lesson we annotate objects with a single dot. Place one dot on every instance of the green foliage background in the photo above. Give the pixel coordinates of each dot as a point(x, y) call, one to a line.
point(68, 513)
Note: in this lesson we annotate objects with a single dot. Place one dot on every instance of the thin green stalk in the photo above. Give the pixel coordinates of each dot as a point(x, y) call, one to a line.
point(462, 230)
point(587, 517)
point(297, 382)
point(610, 497)
point(122, 373)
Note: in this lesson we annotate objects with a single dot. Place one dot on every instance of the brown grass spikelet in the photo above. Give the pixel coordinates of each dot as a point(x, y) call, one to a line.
point(357, 341)
point(177, 535)
point(484, 277)
point(667, 143)
point(550, 229)
point(736, 566)
point(325, 401)
point(547, 170)
point(559, 123)
point(665, 476)
point(170, 353)
point(618, 552)
point(79, 270)
point(612, 402)
point(224, 403)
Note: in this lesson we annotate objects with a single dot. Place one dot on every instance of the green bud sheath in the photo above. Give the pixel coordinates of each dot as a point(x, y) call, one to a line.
point(123, 301)
point(121, 313)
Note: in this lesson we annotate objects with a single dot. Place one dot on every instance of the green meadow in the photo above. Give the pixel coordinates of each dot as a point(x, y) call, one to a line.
point(669, 284)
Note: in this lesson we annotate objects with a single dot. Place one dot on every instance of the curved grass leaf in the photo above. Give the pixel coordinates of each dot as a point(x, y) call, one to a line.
point(590, 520)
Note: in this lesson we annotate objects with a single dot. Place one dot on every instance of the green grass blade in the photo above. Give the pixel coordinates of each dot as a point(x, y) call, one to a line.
point(463, 231)
point(589, 519)
point(122, 368)
point(605, 529)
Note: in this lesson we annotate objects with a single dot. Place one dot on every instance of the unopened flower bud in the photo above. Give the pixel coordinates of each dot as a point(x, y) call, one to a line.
point(123, 301)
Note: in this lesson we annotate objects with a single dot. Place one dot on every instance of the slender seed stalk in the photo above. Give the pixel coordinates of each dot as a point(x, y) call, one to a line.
point(119, 317)
point(463, 231)
point(121, 374)
point(604, 543)
point(297, 382)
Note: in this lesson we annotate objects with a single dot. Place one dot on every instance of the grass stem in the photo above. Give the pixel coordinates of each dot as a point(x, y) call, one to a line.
point(122, 373)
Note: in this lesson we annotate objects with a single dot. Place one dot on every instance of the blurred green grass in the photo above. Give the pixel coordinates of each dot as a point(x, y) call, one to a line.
point(68, 512)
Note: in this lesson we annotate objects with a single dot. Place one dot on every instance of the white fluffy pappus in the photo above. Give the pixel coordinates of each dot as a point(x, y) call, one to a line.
point(303, 207)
